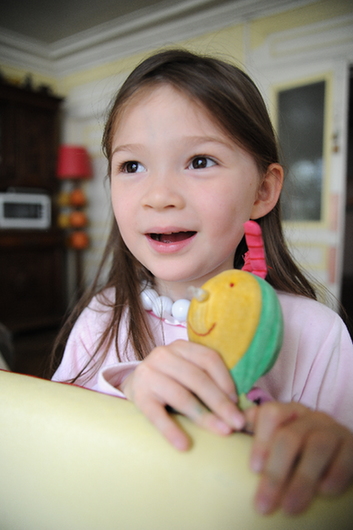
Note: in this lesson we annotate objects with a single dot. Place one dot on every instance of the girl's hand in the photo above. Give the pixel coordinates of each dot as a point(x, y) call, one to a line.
point(299, 452)
point(191, 379)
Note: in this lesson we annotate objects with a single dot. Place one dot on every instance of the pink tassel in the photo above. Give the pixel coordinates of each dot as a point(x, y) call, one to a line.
point(255, 259)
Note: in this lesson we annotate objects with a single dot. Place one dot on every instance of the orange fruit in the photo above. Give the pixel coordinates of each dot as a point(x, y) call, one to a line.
point(79, 240)
point(77, 198)
point(77, 219)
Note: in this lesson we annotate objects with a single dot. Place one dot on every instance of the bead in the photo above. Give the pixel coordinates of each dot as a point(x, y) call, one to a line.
point(162, 306)
point(180, 309)
point(148, 296)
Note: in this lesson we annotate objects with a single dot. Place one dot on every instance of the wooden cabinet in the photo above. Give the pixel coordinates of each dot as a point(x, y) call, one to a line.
point(32, 262)
point(32, 265)
point(28, 138)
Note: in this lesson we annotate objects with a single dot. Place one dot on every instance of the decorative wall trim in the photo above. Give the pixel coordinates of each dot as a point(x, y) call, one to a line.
point(147, 29)
point(330, 39)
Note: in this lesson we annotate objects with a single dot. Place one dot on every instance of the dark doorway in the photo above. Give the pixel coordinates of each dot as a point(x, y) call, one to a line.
point(347, 279)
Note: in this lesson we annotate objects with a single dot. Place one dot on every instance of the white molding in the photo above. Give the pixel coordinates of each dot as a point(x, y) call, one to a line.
point(124, 26)
point(147, 29)
point(330, 39)
point(25, 53)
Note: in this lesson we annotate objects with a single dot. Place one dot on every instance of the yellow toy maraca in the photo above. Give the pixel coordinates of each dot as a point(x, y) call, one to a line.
point(238, 314)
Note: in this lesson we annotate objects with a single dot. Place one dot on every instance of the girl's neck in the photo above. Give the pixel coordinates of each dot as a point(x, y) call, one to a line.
point(174, 290)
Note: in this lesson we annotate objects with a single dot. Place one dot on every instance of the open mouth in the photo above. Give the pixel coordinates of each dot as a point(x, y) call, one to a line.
point(172, 237)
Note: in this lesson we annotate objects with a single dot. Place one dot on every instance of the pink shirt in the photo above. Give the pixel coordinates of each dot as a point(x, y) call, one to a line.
point(314, 367)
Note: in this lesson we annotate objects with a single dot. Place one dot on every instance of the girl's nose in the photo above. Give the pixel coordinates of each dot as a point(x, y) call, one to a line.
point(163, 192)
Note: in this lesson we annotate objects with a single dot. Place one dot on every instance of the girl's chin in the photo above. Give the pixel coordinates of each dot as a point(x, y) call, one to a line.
point(183, 271)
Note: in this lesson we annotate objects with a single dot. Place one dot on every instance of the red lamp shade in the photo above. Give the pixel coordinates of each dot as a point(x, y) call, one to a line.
point(73, 163)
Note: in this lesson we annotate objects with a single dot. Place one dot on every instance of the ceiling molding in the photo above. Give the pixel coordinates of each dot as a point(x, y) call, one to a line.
point(133, 34)
point(128, 25)
point(25, 53)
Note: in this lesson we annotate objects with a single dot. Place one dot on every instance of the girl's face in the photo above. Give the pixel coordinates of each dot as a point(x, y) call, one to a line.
point(181, 189)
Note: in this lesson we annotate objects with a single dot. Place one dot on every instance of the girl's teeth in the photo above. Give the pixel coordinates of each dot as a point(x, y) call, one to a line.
point(171, 237)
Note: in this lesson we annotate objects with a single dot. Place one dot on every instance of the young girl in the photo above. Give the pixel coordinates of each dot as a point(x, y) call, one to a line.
point(192, 156)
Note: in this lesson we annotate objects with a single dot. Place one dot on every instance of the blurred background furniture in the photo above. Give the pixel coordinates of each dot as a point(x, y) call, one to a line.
point(74, 167)
point(6, 349)
point(33, 295)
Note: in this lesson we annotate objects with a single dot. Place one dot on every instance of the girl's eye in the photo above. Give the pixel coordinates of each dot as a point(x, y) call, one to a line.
point(201, 162)
point(132, 167)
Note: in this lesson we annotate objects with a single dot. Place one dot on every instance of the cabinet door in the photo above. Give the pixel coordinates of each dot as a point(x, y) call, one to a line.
point(28, 138)
point(7, 145)
point(35, 147)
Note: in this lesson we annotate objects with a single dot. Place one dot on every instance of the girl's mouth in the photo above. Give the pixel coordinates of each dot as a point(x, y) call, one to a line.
point(172, 237)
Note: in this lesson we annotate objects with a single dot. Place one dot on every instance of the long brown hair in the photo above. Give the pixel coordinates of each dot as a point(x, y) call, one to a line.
point(234, 102)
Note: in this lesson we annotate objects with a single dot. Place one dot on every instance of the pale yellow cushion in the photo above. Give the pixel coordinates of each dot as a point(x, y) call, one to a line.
point(73, 459)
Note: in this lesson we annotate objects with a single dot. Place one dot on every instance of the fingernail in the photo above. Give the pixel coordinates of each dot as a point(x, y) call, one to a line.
point(263, 505)
point(181, 443)
point(222, 427)
point(238, 421)
point(294, 504)
point(233, 397)
point(256, 463)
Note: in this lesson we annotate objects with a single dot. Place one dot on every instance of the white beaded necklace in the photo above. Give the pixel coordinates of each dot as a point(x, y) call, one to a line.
point(164, 307)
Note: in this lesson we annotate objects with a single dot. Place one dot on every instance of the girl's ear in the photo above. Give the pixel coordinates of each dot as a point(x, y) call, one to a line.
point(268, 192)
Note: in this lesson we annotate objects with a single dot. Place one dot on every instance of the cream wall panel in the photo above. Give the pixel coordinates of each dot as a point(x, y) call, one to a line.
point(100, 215)
point(227, 44)
point(305, 15)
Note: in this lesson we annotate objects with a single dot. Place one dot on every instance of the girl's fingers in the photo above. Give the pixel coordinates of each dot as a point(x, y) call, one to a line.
point(166, 425)
point(339, 474)
point(193, 380)
point(320, 449)
point(163, 391)
point(210, 362)
point(263, 421)
point(275, 461)
point(294, 469)
point(153, 407)
point(298, 452)
point(195, 377)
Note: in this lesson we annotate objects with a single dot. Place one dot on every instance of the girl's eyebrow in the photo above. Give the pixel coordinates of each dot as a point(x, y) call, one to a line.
point(127, 147)
point(189, 140)
point(207, 140)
